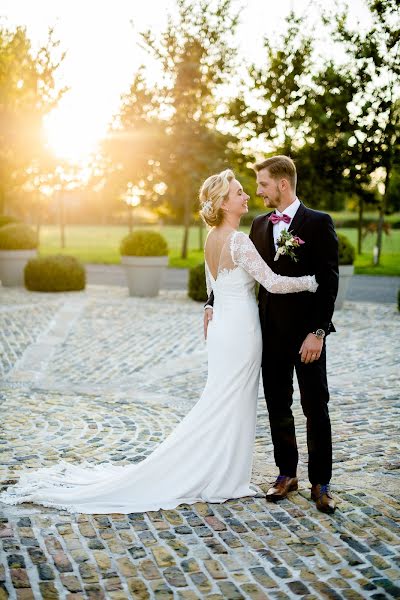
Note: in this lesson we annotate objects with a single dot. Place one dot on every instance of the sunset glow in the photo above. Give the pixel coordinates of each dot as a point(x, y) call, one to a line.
point(103, 53)
point(71, 136)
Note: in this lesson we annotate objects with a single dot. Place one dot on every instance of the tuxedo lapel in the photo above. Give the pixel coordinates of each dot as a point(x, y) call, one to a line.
point(298, 219)
point(270, 241)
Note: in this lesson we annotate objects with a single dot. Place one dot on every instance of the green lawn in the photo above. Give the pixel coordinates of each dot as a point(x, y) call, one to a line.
point(99, 244)
point(345, 214)
point(390, 257)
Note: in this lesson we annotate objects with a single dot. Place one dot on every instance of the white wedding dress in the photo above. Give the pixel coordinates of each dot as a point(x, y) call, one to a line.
point(208, 456)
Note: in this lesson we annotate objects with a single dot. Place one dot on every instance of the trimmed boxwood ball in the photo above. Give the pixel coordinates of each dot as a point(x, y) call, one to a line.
point(7, 219)
point(144, 243)
point(54, 274)
point(197, 284)
point(17, 236)
point(346, 250)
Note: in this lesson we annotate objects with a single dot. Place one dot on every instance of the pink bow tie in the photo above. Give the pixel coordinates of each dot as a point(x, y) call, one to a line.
point(276, 218)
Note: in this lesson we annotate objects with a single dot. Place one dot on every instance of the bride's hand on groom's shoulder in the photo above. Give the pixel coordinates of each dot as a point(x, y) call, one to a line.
point(208, 315)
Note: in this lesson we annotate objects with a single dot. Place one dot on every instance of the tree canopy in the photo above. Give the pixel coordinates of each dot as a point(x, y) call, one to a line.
point(27, 93)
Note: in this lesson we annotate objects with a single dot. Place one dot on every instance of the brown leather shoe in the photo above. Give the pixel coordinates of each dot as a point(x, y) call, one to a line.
point(282, 486)
point(323, 498)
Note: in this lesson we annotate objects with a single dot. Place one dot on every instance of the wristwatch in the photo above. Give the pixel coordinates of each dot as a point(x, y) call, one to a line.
point(319, 333)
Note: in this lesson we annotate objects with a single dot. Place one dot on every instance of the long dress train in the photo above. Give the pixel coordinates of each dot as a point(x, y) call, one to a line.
point(208, 456)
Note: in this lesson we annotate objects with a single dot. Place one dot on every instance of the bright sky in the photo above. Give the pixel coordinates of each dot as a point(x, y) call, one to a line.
point(101, 40)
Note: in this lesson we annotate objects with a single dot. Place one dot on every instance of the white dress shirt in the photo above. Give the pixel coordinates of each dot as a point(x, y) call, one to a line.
point(290, 211)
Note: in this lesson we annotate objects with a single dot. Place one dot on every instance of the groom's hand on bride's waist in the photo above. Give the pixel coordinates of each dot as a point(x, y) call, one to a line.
point(311, 349)
point(208, 315)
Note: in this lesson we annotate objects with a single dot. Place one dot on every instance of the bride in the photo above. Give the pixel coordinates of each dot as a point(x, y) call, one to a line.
point(208, 456)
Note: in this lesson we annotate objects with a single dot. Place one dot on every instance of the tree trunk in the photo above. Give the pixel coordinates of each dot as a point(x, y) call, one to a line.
point(62, 218)
point(130, 218)
point(38, 222)
point(382, 212)
point(186, 225)
point(388, 163)
point(2, 200)
point(38, 213)
point(201, 241)
point(360, 224)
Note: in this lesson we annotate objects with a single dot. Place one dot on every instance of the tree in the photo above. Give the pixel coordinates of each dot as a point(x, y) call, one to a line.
point(374, 57)
point(27, 93)
point(331, 158)
point(303, 112)
point(326, 157)
point(195, 54)
point(131, 150)
point(274, 106)
point(393, 199)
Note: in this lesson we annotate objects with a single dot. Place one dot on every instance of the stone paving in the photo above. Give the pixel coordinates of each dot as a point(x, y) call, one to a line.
point(102, 377)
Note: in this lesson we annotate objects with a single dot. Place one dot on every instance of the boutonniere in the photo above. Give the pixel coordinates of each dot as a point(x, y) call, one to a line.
point(287, 244)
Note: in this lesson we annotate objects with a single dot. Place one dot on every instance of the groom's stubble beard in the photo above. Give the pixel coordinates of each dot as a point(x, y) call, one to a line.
point(275, 201)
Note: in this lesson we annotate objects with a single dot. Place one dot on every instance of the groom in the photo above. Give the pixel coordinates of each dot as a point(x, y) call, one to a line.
point(294, 328)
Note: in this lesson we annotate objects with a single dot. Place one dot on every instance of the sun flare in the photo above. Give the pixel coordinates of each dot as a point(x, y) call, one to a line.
point(71, 136)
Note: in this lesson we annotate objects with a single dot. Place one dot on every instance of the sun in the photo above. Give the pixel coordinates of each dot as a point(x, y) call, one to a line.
point(72, 135)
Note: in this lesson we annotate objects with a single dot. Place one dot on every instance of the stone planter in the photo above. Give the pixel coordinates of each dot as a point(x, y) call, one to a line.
point(144, 274)
point(345, 272)
point(12, 265)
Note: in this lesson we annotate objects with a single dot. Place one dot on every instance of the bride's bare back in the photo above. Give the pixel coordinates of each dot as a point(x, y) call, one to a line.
point(217, 250)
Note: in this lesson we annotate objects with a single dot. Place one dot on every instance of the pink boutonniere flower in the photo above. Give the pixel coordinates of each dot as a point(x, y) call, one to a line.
point(287, 244)
point(299, 240)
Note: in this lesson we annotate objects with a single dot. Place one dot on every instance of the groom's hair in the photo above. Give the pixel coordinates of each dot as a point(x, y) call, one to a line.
point(279, 167)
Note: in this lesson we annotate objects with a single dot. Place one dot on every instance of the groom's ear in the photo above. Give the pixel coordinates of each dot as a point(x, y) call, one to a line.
point(283, 185)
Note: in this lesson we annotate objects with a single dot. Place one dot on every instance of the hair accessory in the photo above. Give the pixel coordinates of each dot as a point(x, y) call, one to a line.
point(207, 206)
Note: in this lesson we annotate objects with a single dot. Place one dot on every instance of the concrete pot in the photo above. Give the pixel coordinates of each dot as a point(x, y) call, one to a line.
point(144, 274)
point(12, 265)
point(345, 272)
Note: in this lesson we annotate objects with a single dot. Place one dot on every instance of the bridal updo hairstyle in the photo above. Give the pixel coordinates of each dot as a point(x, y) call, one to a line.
point(213, 192)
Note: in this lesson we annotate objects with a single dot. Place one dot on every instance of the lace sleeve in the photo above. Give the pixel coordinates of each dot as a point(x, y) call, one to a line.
point(245, 255)
point(208, 280)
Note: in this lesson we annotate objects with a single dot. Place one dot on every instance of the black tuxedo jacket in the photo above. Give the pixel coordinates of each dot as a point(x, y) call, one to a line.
point(302, 312)
point(317, 256)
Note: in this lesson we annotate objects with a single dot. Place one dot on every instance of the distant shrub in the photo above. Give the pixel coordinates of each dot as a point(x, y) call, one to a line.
point(7, 219)
point(398, 299)
point(197, 289)
point(346, 250)
point(54, 274)
point(17, 236)
point(144, 243)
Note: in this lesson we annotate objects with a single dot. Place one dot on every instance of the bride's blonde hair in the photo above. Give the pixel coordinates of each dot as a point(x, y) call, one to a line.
point(213, 192)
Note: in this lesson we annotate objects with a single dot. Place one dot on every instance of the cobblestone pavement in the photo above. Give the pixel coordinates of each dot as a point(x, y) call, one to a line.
point(99, 376)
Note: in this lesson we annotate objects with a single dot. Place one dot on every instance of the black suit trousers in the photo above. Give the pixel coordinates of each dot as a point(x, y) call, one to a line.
point(280, 358)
